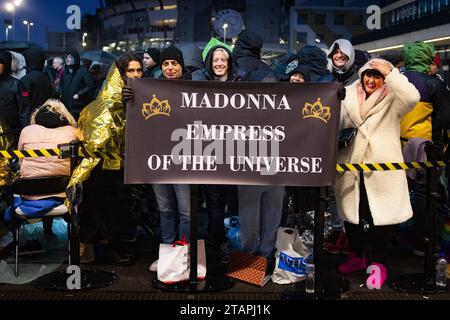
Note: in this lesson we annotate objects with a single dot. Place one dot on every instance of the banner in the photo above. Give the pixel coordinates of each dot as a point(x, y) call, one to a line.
point(245, 133)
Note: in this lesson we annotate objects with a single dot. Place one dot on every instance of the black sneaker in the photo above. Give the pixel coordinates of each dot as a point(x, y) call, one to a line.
point(107, 255)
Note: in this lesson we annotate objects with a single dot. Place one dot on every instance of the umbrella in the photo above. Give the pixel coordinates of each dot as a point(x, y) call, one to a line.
point(18, 46)
point(98, 55)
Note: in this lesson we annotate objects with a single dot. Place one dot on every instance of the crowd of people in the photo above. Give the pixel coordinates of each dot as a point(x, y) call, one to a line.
point(396, 106)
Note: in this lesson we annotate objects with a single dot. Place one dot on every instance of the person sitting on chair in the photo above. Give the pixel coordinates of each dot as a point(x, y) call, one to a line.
point(51, 124)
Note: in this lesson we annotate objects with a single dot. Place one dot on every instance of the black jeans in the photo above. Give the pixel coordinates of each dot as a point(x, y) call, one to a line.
point(104, 211)
point(365, 234)
point(215, 204)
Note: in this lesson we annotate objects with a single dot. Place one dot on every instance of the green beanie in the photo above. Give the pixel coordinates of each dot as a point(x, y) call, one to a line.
point(418, 56)
point(213, 43)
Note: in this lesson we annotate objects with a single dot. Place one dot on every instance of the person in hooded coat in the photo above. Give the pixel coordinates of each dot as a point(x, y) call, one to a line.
point(14, 99)
point(36, 81)
point(208, 73)
point(247, 55)
point(77, 85)
point(18, 65)
point(315, 60)
point(342, 58)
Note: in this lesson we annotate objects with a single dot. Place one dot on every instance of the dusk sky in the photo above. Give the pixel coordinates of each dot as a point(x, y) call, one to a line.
point(43, 13)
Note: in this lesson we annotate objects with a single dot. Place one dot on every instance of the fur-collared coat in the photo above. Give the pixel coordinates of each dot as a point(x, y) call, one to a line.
point(377, 141)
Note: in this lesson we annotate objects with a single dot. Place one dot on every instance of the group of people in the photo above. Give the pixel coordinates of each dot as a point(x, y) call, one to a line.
point(391, 106)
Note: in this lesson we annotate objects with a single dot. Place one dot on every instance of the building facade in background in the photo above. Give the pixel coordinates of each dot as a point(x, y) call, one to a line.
point(133, 25)
point(408, 21)
point(321, 22)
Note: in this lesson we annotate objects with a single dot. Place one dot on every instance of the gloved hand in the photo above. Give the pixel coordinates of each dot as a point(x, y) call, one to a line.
point(127, 94)
point(341, 93)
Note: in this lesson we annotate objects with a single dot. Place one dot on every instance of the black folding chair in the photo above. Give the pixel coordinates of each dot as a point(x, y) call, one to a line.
point(37, 186)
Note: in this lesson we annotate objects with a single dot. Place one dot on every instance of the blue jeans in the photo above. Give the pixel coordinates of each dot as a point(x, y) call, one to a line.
point(174, 201)
point(260, 209)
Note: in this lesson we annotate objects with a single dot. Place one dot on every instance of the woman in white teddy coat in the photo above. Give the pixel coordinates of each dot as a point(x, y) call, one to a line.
point(371, 202)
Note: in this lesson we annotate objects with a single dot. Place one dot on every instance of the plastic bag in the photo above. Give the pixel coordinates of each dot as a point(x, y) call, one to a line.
point(174, 262)
point(292, 256)
point(233, 233)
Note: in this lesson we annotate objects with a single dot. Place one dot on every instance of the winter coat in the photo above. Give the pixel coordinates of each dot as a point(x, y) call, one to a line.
point(246, 57)
point(39, 137)
point(36, 82)
point(14, 99)
point(207, 73)
point(377, 141)
point(425, 120)
point(76, 80)
point(152, 73)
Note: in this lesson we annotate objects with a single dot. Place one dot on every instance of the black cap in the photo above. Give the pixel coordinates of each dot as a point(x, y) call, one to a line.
point(172, 53)
point(154, 53)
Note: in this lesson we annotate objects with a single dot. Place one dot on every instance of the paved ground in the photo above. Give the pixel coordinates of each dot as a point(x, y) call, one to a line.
point(135, 282)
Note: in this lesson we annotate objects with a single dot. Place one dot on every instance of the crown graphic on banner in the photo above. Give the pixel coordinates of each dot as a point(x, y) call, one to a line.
point(316, 110)
point(156, 107)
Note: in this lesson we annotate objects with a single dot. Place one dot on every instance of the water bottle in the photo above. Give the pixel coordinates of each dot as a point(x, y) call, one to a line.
point(441, 272)
point(310, 275)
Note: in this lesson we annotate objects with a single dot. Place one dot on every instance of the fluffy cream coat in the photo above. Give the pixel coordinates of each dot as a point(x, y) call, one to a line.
point(377, 141)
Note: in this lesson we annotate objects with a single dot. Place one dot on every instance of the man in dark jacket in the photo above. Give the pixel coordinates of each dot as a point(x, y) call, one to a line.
point(14, 99)
point(77, 85)
point(246, 57)
point(151, 63)
point(36, 82)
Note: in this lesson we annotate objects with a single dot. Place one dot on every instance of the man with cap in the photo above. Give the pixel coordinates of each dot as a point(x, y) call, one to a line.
point(151, 63)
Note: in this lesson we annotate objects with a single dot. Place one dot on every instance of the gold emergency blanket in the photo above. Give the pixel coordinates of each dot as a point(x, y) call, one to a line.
point(102, 127)
point(7, 142)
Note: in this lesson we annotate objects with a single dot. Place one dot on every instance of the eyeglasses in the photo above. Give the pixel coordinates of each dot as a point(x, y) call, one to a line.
point(135, 70)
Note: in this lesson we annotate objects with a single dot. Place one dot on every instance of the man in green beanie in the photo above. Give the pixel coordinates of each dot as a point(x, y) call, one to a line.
point(428, 120)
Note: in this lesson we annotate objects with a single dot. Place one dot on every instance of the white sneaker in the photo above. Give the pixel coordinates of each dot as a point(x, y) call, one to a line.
point(154, 266)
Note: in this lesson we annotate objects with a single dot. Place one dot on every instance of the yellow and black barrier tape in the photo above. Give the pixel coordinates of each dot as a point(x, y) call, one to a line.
point(389, 166)
point(11, 154)
point(366, 167)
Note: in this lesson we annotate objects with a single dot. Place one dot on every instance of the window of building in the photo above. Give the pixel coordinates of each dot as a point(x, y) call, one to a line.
point(357, 20)
point(339, 19)
point(302, 18)
point(320, 18)
point(302, 37)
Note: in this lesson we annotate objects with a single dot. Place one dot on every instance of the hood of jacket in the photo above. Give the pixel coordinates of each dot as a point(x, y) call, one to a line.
point(418, 56)
point(76, 58)
point(315, 60)
point(208, 62)
point(6, 59)
point(346, 47)
point(248, 44)
point(35, 59)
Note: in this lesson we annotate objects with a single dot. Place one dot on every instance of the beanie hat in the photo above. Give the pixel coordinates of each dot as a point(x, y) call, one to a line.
point(418, 56)
point(154, 54)
point(49, 119)
point(295, 67)
point(172, 53)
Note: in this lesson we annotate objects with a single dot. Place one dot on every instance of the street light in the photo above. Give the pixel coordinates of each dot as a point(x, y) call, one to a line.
point(11, 7)
point(84, 44)
point(225, 26)
point(28, 24)
point(7, 31)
